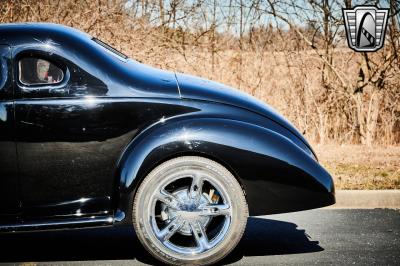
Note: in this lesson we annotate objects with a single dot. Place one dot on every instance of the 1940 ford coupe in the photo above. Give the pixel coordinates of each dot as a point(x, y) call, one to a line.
point(89, 137)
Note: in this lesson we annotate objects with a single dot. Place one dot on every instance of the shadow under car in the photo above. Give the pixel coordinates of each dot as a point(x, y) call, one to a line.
point(262, 237)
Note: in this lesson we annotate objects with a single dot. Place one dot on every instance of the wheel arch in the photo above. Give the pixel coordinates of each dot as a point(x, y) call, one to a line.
point(183, 153)
point(236, 145)
point(140, 177)
point(143, 144)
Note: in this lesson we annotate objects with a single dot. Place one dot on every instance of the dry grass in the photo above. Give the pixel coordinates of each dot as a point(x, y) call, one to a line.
point(361, 167)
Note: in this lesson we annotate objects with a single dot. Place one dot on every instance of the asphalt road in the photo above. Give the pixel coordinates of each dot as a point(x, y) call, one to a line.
point(325, 236)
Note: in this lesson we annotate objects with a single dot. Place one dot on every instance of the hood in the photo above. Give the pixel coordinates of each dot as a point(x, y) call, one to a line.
point(192, 87)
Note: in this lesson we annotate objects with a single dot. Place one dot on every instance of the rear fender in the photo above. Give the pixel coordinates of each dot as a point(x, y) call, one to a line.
point(257, 156)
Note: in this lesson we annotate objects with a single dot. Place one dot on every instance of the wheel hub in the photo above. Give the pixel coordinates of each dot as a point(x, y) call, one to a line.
point(189, 210)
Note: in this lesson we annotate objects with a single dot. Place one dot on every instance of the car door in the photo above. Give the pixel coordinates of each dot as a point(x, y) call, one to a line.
point(69, 137)
point(9, 199)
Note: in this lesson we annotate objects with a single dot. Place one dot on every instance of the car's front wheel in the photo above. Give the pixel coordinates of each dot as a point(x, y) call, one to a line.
point(190, 210)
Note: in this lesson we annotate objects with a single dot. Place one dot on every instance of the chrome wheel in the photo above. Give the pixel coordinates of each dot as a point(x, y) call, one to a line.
point(185, 204)
point(190, 210)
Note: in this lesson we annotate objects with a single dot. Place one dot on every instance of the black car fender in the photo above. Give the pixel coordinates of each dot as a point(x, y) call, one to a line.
point(261, 159)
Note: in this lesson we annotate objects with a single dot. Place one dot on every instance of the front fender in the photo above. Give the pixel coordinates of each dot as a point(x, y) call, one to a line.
point(276, 174)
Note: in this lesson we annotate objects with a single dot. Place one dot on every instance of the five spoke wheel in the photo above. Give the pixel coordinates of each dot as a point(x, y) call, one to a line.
point(187, 205)
point(190, 209)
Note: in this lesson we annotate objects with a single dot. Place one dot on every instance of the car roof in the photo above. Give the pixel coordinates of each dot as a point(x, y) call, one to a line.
point(127, 77)
point(10, 33)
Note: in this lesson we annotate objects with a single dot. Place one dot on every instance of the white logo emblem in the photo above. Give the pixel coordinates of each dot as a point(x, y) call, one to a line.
point(365, 27)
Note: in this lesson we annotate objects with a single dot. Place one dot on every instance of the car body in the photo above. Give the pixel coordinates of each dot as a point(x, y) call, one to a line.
point(73, 152)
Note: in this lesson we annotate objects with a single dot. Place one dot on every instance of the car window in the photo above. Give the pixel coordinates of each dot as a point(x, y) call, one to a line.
point(3, 72)
point(4, 53)
point(38, 71)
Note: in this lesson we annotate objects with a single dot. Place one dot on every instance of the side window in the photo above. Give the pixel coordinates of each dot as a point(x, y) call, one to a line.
point(5, 71)
point(38, 71)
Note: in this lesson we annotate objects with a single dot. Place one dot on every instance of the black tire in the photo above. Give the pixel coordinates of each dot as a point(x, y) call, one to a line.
point(238, 212)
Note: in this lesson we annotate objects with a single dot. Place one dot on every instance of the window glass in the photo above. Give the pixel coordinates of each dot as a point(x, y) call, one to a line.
point(4, 54)
point(3, 73)
point(37, 71)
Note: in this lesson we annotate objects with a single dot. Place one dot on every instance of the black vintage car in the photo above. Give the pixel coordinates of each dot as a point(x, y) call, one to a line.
point(89, 137)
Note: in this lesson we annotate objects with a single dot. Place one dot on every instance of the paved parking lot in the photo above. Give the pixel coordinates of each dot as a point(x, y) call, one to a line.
point(326, 236)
